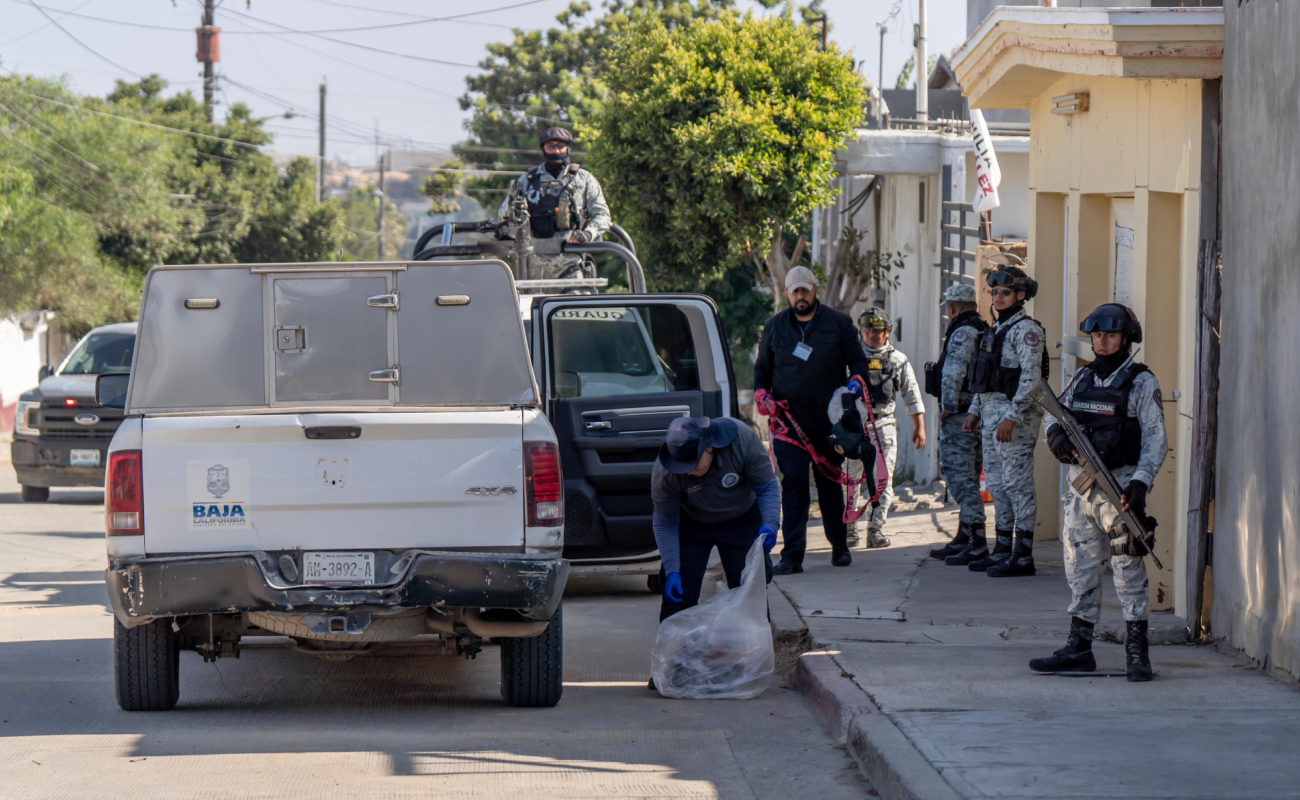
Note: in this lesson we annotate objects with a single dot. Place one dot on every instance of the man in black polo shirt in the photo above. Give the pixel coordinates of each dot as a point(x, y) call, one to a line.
point(806, 353)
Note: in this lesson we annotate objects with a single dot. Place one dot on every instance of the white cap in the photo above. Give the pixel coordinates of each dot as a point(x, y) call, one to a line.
point(800, 276)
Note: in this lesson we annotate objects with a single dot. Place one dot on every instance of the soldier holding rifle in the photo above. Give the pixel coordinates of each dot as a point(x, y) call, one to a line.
point(1117, 405)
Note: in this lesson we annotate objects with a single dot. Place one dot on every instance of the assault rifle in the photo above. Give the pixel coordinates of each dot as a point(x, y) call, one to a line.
point(1095, 472)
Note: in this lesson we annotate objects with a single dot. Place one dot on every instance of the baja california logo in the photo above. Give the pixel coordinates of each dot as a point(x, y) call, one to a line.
point(218, 480)
point(730, 479)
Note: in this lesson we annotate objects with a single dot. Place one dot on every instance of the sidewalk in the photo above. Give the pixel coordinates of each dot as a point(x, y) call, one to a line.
point(924, 668)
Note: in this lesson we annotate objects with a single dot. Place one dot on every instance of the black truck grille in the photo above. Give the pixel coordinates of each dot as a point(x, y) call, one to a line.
point(58, 420)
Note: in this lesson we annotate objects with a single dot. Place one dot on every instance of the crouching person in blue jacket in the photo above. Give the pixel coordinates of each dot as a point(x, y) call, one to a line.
point(712, 486)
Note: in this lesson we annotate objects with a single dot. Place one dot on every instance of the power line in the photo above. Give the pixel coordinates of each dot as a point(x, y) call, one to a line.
point(195, 134)
point(85, 46)
point(286, 30)
point(419, 21)
point(43, 27)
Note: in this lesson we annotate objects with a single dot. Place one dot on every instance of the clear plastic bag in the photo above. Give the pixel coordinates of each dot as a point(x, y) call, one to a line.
point(721, 648)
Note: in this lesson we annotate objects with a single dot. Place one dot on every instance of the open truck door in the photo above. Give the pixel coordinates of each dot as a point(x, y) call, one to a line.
point(614, 370)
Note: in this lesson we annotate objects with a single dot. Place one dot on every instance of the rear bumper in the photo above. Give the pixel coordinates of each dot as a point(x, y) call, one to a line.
point(147, 588)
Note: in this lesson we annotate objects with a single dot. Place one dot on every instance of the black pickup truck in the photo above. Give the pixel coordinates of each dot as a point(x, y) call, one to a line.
point(60, 432)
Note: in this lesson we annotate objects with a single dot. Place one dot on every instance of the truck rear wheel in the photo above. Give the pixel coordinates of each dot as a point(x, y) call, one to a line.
point(532, 670)
point(146, 666)
point(35, 494)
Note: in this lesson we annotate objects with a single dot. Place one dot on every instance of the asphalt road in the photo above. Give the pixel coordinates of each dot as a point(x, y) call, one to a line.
point(277, 723)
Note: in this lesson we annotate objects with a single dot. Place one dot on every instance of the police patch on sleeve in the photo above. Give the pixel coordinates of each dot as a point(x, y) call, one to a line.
point(1032, 339)
point(1157, 398)
point(959, 336)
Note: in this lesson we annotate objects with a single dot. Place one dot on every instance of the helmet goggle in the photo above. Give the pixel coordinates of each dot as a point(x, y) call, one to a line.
point(875, 323)
point(1103, 323)
point(1004, 279)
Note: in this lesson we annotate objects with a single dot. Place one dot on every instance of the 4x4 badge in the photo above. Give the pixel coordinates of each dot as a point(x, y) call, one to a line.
point(490, 490)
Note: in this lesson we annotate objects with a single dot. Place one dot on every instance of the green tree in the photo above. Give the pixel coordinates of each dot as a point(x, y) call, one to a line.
point(361, 218)
point(554, 77)
point(716, 138)
point(91, 201)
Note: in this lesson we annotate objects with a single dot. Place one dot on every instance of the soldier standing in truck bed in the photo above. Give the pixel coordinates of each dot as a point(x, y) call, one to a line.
point(564, 202)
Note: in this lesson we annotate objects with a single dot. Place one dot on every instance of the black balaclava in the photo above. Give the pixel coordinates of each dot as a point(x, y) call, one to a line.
point(1103, 366)
point(556, 164)
point(1003, 316)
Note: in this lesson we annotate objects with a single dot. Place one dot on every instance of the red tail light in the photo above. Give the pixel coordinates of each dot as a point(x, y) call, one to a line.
point(545, 483)
point(124, 494)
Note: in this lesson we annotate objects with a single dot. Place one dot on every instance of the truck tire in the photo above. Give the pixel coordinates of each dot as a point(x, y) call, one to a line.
point(532, 670)
point(35, 494)
point(146, 666)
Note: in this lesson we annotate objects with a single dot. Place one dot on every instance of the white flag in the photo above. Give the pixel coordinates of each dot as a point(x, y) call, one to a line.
point(987, 173)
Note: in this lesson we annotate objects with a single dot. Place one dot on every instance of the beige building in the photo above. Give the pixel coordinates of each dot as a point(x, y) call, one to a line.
point(1124, 115)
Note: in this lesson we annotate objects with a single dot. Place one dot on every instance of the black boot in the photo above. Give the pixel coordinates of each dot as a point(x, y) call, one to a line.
point(784, 567)
point(1001, 549)
point(957, 544)
point(976, 547)
point(1135, 646)
point(841, 559)
point(1076, 656)
point(1019, 562)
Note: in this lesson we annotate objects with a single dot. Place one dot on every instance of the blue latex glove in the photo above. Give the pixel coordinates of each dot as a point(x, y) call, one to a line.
point(855, 386)
point(673, 587)
point(769, 537)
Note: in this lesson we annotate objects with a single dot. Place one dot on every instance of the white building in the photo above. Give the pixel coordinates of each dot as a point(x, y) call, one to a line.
point(907, 171)
point(26, 344)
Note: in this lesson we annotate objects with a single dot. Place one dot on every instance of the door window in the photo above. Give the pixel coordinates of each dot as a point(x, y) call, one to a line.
point(602, 351)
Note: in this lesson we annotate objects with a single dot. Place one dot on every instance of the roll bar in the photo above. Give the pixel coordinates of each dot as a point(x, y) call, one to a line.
point(635, 273)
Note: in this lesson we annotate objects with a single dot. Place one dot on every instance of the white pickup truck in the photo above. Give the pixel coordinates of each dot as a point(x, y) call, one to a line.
point(354, 455)
point(347, 454)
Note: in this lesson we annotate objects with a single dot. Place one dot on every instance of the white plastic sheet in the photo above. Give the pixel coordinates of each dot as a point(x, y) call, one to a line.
point(721, 648)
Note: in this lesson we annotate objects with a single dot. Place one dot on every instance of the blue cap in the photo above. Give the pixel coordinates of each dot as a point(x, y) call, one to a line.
point(689, 437)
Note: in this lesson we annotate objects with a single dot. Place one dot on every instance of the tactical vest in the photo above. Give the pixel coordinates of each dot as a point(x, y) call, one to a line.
point(934, 369)
point(1103, 413)
point(986, 373)
point(550, 202)
point(881, 383)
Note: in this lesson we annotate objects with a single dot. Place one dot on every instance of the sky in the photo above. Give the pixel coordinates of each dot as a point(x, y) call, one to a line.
point(398, 88)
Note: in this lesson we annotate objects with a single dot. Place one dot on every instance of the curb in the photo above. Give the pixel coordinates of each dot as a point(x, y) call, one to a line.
point(895, 767)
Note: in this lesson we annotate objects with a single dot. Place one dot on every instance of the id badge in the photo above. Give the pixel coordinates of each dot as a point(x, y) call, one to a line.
point(802, 351)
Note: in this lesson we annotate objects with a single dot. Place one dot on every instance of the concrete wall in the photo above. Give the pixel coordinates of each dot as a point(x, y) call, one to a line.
point(1256, 555)
point(22, 353)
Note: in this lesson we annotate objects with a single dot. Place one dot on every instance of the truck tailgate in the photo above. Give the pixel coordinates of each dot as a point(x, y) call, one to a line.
point(258, 482)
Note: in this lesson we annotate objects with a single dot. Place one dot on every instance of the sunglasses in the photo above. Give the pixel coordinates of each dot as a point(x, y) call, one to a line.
point(1103, 324)
point(875, 323)
point(998, 292)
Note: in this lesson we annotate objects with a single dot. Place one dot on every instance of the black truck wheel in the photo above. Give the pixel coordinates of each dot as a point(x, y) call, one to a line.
point(35, 494)
point(146, 666)
point(532, 670)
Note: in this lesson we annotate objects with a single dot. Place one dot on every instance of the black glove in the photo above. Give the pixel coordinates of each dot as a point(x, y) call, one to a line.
point(1060, 444)
point(1135, 495)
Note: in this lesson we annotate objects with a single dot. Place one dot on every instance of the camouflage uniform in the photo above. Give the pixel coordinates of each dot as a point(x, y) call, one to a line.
point(960, 452)
point(593, 217)
point(888, 426)
point(1009, 466)
point(1088, 517)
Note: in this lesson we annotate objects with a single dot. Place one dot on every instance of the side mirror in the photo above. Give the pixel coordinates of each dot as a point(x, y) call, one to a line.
point(110, 389)
point(45, 372)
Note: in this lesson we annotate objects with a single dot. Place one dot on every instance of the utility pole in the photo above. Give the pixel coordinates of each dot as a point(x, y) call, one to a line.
point(383, 201)
point(883, 31)
point(922, 79)
point(209, 53)
point(320, 161)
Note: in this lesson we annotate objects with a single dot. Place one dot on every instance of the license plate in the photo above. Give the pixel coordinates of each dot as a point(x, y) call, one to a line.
point(84, 458)
point(339, 568)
